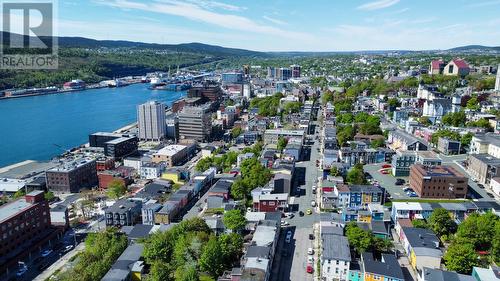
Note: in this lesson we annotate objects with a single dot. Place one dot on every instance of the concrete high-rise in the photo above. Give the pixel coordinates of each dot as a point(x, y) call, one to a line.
point(151, 121)
point(497, 81)
point(295, 71)
point(195, 123)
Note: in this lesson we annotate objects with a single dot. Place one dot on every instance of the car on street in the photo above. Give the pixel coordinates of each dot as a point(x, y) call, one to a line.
point(46, 253)
point(309, 212)
point(285, 223)
point(400, 181)
point(22, 270)
point(301, 214)
point(313, 203)
point(288, 236)
point(480, 185)
point(385, 166)
point(310, 259)
point(309, 268)
point(310, 251)
point(68, 248)
point(384, 172)
point(311, 236)
point(490, 195)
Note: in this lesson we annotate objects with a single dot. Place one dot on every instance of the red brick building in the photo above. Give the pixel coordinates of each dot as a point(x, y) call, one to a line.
point(24, 224)
point(270, 202)
point(437, 182)
point(122, 174)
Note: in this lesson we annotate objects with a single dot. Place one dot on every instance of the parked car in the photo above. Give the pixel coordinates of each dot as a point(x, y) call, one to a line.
point(301, 213)
point(480, 185)
point(310, 259)
point(310, 251)
point(311, 236)
point(400, 181)
point(309, 212)
point(288, 238)
point(68, 248)
point(22, 270)
point(285, 223)
point(385, 166)
point(309, 268)
point(46, 253)
point(313, 203)
point(384, 172)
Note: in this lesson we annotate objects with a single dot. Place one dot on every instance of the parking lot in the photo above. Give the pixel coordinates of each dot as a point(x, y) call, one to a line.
point(387, 181)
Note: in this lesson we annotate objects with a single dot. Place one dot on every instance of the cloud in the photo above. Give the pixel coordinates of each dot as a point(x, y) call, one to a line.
point(217, 5)
point(197, 12)
point(273, 20)
point(376, 5)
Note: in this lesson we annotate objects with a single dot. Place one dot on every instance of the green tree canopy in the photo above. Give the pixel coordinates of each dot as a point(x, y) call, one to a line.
point(234, 220)
point(460, 257)
point(455, 119)
point(116, 189)
point(356, 175)
point(212, 258)
point(441, 222)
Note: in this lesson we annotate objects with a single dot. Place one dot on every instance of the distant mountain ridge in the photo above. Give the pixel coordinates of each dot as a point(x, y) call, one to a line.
point(475, 48)
point(83, 42)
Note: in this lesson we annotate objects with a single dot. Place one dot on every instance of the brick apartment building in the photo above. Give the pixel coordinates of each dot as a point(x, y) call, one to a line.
point(24, 224)
point(72, 176)
point(437, 182)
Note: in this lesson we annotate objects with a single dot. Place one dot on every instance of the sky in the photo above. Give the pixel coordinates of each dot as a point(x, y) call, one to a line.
point(288, 25)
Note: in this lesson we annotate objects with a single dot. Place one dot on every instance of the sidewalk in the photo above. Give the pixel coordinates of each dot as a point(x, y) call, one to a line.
point(59, 263)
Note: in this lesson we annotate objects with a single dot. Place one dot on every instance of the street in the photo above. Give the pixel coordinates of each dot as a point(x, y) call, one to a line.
point(291, 258)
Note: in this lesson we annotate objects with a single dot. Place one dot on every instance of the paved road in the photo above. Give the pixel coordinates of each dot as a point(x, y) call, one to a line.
point(63, 261)
point(291, 259)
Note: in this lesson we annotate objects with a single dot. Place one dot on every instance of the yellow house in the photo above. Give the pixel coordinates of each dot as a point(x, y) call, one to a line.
point(173, 175)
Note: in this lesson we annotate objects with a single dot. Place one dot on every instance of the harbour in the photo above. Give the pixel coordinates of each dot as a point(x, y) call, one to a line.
point(43, 126)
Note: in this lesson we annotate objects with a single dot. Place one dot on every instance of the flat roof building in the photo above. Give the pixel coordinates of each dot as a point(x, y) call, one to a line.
point(72, 175)
point(438, 182)
point(195, 123)
point(151, 121)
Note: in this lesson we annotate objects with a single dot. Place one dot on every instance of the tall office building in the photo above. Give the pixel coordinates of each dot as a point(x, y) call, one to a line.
point(295, 70)
point(497, 81)
point(271, 72)
point(195, 123)
point(284, 73)
point(151, 121)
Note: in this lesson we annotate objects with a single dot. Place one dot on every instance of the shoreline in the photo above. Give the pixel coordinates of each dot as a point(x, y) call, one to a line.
point(62, 91)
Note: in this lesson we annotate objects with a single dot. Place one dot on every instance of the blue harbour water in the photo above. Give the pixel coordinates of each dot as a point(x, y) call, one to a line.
point(31, 127)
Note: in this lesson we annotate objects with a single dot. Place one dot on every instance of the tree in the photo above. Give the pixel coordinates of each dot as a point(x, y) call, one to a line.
point(334, 171)
point(116, 189)
point(419, 223)
point(232, 248)
point(479, 230)
point(159, 247)
point(49, 196)
point(20, 193)
point(456, 119)
point(292, 107)
point(482, 123)
point(239, 190)
point(187, 273)
point(473, 103)
point(356, 175)
point(160, 271)
point(424, 120)
point(460, 257)
point(235, 132)
point(282, 142)
point(358, 238)
point(376, 143)
point(212, 258)
point(495, 244)
point(393, 103)
point(234, 220)
point(441, 222)
point(466, 139)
